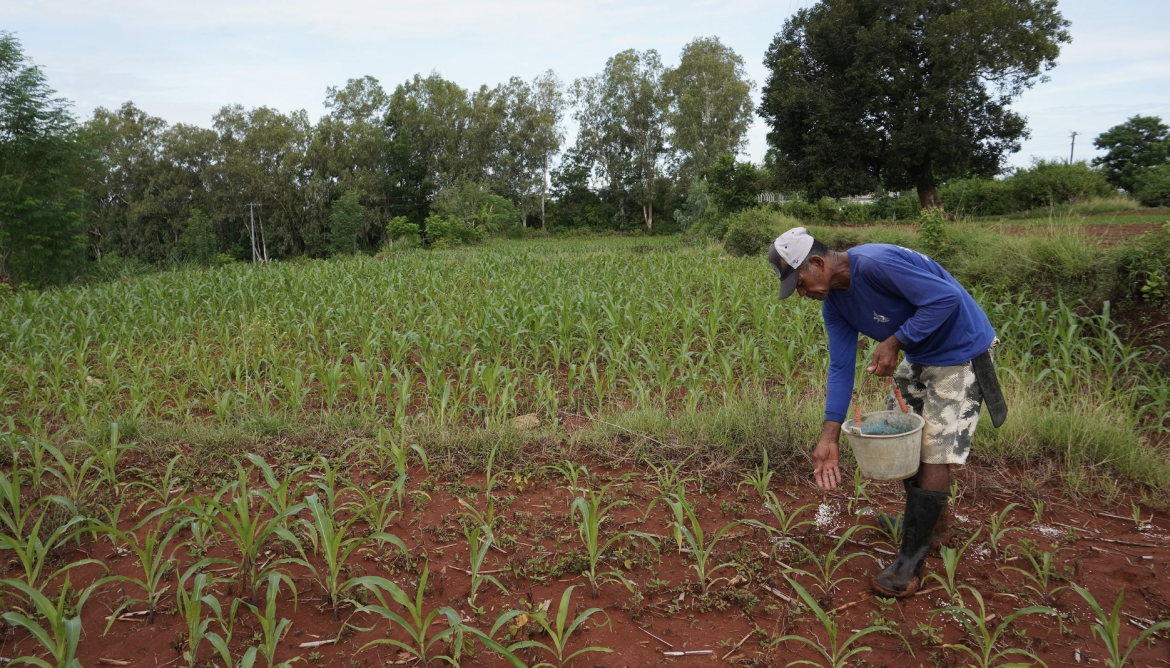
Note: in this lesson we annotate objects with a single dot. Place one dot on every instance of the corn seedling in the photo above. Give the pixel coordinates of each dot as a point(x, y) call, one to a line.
point(33, 554)
point(982, 647)
point(572, 473)
point(479, 543)
point(1037, 511)
point(1042, 574)
point(559, 634)
point(759, 478)
point(63, 621)
point(950, 558)
point(374, 503)
point(418, 626)
point(701, 545)
point(1108, 629)
point(860, 491)
point(835, 653)
point(151, 548)
point(1138, 522)
point(825, 573)
point(161, 493)
point(190, 605)
point(233, 514)
point(278, 492)
point(590, 512)
point(328, 536)
point(786, 522)
point(997, 528)
point(272, 629)
point(109, 458)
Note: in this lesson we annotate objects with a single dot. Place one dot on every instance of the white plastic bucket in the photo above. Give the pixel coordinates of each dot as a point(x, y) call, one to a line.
point(893, 452)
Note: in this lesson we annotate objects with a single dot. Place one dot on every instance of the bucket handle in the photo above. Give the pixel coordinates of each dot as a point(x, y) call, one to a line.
point(857, 404)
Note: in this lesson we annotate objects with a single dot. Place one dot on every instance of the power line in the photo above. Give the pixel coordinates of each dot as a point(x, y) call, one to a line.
point(1072, 147)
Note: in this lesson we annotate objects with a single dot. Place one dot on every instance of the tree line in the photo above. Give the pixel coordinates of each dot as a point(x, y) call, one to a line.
point(264, 182)
point(861, 96)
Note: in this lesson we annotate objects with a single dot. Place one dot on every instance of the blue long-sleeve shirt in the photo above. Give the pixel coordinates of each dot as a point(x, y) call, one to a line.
point(900, 292)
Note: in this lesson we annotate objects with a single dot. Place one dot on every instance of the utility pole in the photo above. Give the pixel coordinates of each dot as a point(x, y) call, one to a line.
point(252, 229)
point(1072, 147)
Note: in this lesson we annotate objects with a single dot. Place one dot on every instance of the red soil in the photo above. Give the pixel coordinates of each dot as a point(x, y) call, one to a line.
point(1138, 564)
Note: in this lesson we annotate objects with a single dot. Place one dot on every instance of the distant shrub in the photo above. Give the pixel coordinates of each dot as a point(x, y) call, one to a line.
point(751, 231)
point(801, 210)
point(853, 212)
point(932, 233)
point(1145, 266)
point(197, 243)
point(896, 206)
point(1052, 182)
point(445, 231)
point(1152, 186)
point(979, 197)
point(400, 227)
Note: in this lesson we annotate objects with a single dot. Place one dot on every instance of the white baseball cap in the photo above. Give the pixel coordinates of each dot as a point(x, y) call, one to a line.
point(788, 252)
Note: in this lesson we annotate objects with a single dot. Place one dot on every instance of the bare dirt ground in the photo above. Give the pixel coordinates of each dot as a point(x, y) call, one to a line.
point(739, 621)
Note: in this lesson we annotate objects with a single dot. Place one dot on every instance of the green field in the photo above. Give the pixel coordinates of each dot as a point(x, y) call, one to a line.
point(673, 341)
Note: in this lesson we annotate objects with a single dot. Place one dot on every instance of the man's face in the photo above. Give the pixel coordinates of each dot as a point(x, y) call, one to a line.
point(813, 281)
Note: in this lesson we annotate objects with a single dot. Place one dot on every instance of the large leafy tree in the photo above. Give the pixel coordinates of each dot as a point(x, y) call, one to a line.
point(622, 114)
point(903, 93)
point(1135, 145)
point(41, 166)
point(710, 104)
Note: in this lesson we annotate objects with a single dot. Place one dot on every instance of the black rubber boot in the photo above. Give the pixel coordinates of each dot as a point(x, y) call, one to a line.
point(923, 508)
point(893, 523)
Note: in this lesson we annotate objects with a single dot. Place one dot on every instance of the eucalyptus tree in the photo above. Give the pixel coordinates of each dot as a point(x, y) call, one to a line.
point(263, 163)
point(710, 104)
point(903, 93)
point(622, 114)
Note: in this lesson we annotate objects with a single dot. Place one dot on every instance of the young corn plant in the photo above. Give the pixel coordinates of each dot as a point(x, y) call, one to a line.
point(997, 529)
point(374, 503)
point(63, 621)
point(835, 653)
point(479, 543)
point(151, 548)
point(109, 459)
point(190, 605)
point(161, 494)
point(950, 558)
point(328, 536)
point(32, 554)
point(701, 545)
point(759, 478)
point(983, 646)
point(786, 522)
point(272, 629)
point(559, 633)
point(250, 532)
point(421, 643)
point(279, 493)
point(1108, 629)
point(590, 512)
point(1042, 574)
point(572, 473)
point(825, 574)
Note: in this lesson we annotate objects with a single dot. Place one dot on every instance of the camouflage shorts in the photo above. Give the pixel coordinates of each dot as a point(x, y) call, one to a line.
point(949, 399)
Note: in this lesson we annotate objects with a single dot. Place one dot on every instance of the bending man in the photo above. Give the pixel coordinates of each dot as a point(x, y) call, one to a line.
point(909, 303)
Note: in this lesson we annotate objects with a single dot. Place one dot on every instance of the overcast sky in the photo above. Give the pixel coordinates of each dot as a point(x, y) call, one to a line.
point(183, 60)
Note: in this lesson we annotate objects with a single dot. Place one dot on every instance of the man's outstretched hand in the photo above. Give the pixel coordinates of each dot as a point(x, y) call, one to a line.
point(826, 456)
point(885, 358)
